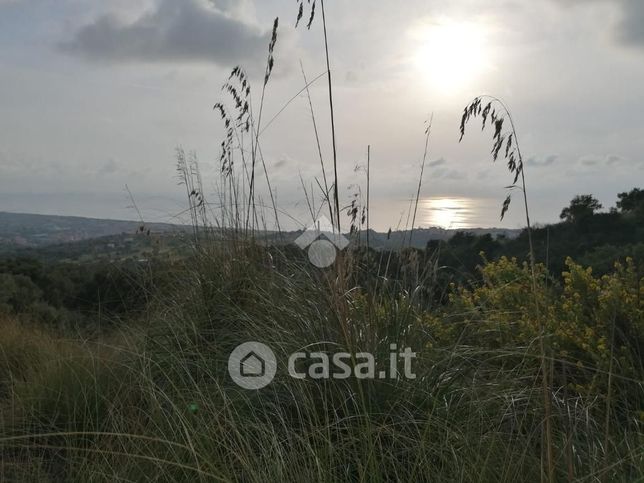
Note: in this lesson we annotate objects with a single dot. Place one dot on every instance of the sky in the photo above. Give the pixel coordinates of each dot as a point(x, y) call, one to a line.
point(96, 96)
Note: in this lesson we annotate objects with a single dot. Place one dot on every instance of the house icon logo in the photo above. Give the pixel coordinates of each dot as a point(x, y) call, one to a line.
point(322, 242)
point(252, 365)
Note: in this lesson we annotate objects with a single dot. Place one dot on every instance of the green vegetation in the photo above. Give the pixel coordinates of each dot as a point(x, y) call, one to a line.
point(596, 239)
point(76, 297)
point(153, 399)
point(530, 364)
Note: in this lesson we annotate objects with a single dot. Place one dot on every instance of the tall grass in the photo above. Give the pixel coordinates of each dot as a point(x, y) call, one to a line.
point(506, 144)
point(153, 400)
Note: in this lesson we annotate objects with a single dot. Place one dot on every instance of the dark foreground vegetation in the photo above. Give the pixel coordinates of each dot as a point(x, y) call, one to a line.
point(118, 371)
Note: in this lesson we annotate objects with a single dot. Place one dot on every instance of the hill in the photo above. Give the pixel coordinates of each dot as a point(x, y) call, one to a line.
point(24, 230)
point(30, 230)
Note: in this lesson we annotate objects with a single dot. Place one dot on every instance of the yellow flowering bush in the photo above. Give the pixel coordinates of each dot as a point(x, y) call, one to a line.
point(503, 309)
point(585, 319)
point(600, 317)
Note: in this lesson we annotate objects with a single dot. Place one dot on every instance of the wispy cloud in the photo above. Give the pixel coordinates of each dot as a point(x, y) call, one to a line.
point(538, 162)
point(449, 174)
point(438, 162)
point(110, 167)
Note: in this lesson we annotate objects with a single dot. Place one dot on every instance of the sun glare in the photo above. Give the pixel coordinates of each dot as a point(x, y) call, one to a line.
point(451, 213)
point(450, 54)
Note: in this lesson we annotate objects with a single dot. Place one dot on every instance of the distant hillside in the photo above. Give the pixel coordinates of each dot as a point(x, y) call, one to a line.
point(28, 230)
point(400, 239)
point(421, 236)
point(18, 230)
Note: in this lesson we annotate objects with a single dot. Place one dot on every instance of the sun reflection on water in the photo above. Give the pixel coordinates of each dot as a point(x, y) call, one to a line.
point(454, 213)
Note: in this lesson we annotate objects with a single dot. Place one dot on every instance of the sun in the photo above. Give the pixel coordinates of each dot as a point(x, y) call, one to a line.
point(450, 55)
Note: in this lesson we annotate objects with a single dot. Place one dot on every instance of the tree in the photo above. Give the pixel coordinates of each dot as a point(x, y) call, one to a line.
point(631, 202)
point(17, 293)
point(581, 207)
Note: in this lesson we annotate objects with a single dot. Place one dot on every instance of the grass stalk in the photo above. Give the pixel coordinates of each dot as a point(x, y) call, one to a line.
point(420, 178)
point(317, 143)
point(516, 166)
point(368, 188)
point(336, 198)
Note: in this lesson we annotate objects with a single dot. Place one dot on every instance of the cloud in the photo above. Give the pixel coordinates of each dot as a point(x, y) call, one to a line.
point(448, 174)
point(439, 170)
point(613, 159)
point(599, 160)
point(438, 162)
point(631, 27)
point(541, 162)
point(175, 30)
point(589, 161)
point(110, 167)
point(284, 160)
point(629, 30)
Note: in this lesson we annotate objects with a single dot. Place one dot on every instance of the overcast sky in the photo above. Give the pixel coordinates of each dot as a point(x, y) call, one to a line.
point(95, 95)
